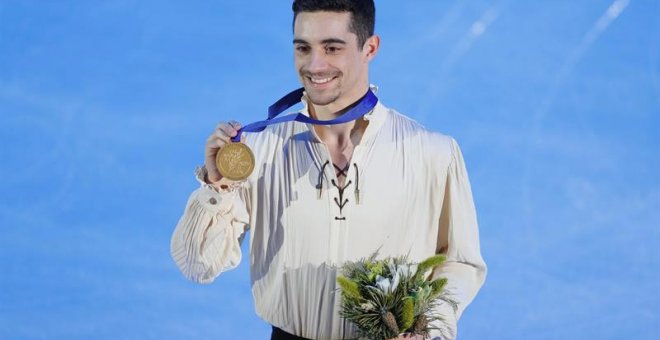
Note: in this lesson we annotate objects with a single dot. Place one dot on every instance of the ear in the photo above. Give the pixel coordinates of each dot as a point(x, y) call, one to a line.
point(370, 48)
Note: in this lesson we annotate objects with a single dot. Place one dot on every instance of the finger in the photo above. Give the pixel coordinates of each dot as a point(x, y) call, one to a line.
point(219, 125)
point(221, 134)
point(236, 125)
point(228, 129)
point(215, 141)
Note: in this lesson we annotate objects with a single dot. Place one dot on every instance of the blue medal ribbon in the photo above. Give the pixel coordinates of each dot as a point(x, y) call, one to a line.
point(363, 106)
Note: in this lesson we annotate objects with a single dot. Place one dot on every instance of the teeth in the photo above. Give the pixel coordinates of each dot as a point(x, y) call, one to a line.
point(320, 81)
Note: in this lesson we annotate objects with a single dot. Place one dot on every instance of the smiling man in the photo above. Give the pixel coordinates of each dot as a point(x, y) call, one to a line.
point(321, 195)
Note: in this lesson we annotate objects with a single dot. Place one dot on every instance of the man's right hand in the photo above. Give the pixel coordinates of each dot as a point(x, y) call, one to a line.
point(221, 135)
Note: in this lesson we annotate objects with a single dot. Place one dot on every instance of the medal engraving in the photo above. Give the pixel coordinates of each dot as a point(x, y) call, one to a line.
point(235, 161)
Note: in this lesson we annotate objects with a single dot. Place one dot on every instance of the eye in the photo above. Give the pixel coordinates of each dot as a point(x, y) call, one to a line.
point(332, 49)
point(302, 49)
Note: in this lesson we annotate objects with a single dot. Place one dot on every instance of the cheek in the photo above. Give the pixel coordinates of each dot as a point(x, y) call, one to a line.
point(342, 64)
point(350, 67)
point(298, 62)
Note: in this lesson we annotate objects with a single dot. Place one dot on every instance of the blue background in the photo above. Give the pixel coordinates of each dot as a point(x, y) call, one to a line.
point(105, 107)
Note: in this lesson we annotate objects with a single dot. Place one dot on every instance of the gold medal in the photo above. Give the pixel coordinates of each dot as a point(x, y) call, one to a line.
point(235, 161)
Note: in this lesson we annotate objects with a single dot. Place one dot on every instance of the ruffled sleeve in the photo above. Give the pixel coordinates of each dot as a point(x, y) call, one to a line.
point(207, 239)
point(458, 239)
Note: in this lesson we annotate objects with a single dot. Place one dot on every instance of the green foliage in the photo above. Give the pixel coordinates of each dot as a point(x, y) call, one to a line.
point(375, 269)
point(408, 313)
point(349, 288)
point(437, 286)
point(386, 297)
point(429, 263)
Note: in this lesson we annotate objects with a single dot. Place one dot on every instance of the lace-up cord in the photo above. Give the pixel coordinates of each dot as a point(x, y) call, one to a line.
point(319, 186)
point(340, 171)
point(357, 184)
point(340, 201)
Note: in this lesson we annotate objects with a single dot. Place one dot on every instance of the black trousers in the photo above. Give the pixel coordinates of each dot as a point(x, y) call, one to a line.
point(279, 334)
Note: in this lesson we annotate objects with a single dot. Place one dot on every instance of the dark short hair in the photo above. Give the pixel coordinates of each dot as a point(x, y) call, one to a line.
point(363, 14)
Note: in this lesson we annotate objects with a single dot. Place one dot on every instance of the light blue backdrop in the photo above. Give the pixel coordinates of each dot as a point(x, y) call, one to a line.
point(105, 107)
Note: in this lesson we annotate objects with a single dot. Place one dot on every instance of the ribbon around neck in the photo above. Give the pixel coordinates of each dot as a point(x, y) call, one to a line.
point(362, 107)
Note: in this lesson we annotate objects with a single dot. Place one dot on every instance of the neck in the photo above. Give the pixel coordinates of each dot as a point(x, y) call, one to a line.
point(338, 107)
point(339, 134)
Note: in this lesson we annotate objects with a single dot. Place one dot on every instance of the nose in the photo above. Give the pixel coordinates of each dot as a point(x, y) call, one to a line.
point(317, 62)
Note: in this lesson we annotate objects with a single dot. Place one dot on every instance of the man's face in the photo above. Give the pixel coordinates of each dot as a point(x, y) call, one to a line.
point(330, 65)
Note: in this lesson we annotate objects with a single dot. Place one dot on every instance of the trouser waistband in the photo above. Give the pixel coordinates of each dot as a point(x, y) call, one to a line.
point(279, 334)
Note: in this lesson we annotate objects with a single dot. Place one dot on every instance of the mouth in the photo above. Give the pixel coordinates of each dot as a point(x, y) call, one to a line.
point(320, 82)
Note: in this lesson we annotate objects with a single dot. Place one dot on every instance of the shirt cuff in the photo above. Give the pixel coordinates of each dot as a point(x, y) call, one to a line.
point(212, 198)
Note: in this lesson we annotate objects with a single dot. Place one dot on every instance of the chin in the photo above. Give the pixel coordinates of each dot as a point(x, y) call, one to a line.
point(322, 99)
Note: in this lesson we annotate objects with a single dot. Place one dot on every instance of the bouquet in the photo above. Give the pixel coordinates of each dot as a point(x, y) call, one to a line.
point(385, 298)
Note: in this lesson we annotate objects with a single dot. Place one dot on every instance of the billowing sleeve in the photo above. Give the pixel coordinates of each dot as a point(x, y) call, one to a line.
point(458, 239)
point(207, 239)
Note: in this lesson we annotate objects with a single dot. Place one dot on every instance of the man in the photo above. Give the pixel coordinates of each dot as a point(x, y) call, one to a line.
point(323, 195)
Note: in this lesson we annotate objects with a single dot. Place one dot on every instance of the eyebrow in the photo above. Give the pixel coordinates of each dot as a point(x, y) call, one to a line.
point(324, 41)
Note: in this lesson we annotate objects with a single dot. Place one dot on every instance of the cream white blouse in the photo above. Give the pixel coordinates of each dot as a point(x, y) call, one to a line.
point(406, 192)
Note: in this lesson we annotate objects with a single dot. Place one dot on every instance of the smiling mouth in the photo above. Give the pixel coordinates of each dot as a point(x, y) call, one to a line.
point(318, 81)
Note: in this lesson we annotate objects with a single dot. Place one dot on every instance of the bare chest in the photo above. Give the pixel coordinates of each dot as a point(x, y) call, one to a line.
point(341, 159)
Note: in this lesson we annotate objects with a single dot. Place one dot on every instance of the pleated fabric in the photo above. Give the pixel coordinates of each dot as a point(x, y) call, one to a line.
point(406, 192)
